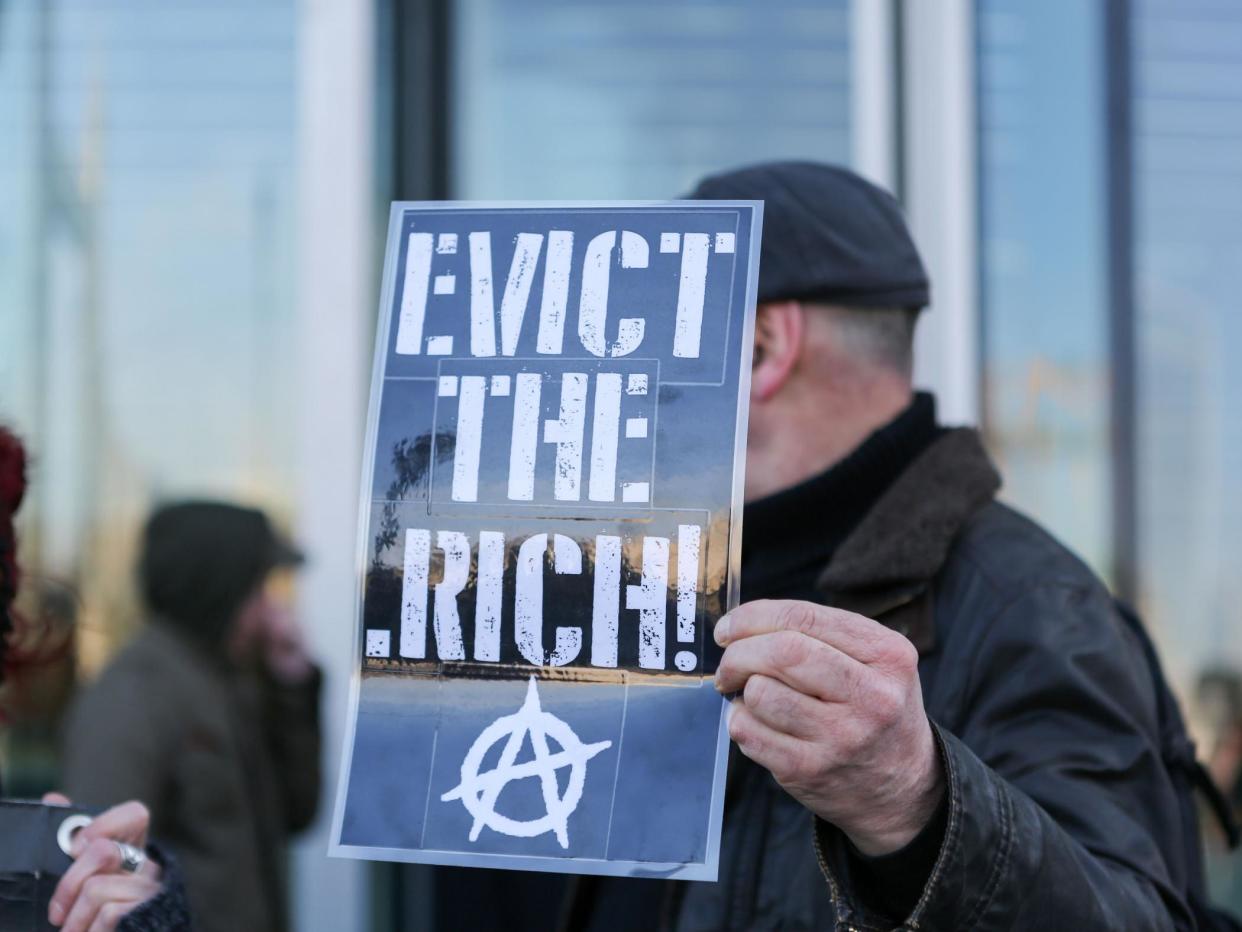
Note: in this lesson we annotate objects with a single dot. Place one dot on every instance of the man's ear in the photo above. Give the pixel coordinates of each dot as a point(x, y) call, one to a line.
point(779, 330)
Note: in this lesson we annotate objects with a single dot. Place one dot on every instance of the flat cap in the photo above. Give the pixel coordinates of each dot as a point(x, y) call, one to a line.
point(828, 235)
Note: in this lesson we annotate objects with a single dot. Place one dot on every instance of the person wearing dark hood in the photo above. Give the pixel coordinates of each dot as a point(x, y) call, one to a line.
point(117, 881)
point(211, 714)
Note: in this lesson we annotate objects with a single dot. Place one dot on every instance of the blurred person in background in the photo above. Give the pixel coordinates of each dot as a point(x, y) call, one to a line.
point(116, 880)
point(211, 714)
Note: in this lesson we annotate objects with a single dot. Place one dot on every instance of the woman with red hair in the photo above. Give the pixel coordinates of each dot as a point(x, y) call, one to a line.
point(116, 881)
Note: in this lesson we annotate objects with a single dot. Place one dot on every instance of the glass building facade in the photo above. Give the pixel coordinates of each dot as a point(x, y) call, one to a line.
point(616, 99)
point(1110, 139)
point(154, 199)
point(146, 272)
point(1043, 275)
point(1187, 242)
point(1064, 361)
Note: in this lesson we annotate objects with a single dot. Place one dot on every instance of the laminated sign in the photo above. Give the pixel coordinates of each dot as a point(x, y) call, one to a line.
point(550, 527)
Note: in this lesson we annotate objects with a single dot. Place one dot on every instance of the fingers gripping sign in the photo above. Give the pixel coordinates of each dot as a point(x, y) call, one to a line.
point(831, 704)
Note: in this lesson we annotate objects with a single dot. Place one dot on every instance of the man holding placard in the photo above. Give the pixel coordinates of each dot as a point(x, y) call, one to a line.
point(942, 721)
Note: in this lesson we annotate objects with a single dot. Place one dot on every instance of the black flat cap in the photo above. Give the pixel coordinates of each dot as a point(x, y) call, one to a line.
point(828, 235)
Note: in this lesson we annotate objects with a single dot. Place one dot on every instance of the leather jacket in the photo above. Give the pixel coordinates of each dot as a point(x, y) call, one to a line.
point(1061, 814)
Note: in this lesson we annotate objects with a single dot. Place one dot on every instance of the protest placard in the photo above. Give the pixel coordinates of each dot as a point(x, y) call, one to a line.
point(550, 527)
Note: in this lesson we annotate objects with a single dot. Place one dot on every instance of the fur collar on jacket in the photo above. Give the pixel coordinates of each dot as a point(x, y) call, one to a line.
point(884, 569)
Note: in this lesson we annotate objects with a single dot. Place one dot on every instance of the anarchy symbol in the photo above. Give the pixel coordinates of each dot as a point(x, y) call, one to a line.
point(478, 791)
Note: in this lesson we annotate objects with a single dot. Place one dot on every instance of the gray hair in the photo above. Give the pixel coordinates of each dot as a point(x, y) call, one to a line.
point(884, 336)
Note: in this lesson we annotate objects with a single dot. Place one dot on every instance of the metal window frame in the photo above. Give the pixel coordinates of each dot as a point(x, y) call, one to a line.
point(416, 84)
point(1119, 148)
point(335, 284)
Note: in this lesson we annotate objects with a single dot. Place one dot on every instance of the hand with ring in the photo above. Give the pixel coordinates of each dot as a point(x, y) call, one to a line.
point(111, 873)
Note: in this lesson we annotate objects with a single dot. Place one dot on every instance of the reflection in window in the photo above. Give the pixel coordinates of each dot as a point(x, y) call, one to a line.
point(1187, 110)
point(616, 99)
point(146, 193)
point(1044, 271)
point(1187, 75)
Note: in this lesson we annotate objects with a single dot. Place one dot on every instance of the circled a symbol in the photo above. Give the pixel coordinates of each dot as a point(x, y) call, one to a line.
point(478, 792)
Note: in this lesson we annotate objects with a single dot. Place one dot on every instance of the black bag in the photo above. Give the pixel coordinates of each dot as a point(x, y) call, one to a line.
point(1188, 777)
point(32, 860)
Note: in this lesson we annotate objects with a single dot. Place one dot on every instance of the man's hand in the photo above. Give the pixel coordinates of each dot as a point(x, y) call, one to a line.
point(95, 894)
point(831, 704)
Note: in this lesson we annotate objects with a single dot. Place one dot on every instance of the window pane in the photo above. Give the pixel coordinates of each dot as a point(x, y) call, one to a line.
point(1044, 270)
point(146, 197)
point(616, 99)
point(1188, 252)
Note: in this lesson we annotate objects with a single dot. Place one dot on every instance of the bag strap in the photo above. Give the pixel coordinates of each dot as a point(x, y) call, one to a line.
point(1201, 780)
point(1177, 750)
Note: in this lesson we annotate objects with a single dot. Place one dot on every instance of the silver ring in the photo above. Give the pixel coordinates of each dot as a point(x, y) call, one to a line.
point(68, 828)
point(132, 858)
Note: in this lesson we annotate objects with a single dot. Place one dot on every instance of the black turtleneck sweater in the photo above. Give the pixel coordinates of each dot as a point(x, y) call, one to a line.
point(789, 537)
